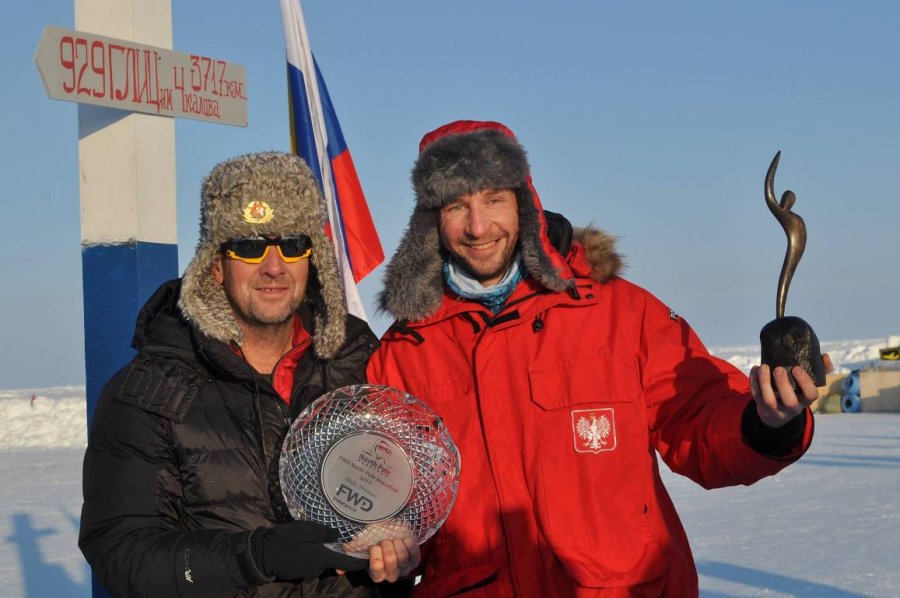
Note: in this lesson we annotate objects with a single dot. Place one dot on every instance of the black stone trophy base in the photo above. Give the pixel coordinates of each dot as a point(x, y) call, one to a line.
point(790, 341)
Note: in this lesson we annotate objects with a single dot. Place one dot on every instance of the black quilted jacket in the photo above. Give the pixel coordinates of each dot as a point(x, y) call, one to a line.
point(182, 462)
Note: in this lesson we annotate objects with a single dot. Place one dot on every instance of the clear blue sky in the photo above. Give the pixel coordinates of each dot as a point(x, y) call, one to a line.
point(654, 120)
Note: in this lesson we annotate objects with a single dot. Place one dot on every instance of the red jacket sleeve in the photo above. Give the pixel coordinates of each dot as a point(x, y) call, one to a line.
point(695, 403)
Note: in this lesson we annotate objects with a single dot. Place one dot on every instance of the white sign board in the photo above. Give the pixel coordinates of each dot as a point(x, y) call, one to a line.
point(95, 69)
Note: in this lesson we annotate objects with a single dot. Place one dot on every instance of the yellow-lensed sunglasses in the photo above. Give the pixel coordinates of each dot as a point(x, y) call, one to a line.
point(253, 250)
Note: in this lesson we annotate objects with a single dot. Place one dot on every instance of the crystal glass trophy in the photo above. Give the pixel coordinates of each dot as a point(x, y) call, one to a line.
point(371, 462)
point(789, 341)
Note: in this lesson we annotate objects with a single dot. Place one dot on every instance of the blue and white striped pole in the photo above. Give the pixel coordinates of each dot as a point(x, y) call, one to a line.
point(128, 229)
point(127, 185)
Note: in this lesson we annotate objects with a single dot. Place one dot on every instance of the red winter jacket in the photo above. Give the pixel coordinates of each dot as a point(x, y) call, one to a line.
point(559, 405)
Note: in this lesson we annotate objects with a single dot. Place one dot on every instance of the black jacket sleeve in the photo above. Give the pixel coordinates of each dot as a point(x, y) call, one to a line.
point(349, 367)
point(131, 529)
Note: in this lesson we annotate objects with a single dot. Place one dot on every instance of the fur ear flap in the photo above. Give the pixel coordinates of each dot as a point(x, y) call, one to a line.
point(203, 301)
point(535, 258)
point(413, 283)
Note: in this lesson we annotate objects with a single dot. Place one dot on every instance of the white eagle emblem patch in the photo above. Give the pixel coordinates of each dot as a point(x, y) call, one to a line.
point(594, 430)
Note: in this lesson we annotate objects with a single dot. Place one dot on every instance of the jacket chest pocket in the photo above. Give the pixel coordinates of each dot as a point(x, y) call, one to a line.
point(594, 465)
point(590, 407)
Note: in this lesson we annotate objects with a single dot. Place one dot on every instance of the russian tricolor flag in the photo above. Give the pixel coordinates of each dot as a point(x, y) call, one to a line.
point(316, 137)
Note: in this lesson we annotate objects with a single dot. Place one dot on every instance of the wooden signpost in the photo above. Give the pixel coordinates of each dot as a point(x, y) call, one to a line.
point(104, 71)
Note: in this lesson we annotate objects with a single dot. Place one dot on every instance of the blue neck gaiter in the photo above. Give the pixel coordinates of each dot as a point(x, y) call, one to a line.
point(493, 297)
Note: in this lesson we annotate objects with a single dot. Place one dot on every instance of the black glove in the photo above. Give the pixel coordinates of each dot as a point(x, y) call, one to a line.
point(294, 551)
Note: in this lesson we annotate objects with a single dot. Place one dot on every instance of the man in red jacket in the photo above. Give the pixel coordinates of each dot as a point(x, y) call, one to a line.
point(560, 382)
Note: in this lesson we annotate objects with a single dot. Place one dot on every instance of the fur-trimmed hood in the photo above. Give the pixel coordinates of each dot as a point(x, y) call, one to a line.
point(465, 157)
point(268, 193)
point(599, 247)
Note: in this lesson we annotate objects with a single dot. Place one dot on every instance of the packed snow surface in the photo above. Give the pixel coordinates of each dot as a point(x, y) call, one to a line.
point(828, 525)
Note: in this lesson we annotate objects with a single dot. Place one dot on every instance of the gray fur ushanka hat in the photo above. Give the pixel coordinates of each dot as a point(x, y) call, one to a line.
point(268, 193)
point(456, 159)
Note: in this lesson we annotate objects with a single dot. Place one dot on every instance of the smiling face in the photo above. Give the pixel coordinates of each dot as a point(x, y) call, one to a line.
point(481, 231)
point(263, 295)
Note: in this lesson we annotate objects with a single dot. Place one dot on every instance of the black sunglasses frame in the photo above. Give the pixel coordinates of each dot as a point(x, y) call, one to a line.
point(254, 250)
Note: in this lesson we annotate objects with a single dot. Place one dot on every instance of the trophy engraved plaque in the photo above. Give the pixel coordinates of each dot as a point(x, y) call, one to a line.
point(789, 341)
point(371, 475)
point(371, 462)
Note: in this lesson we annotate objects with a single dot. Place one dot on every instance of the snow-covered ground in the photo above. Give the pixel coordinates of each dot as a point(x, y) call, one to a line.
point(829, 525)
point(845, 355)
point(826, 526)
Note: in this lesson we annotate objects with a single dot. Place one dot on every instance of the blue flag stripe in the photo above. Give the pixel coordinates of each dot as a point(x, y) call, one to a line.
point(301, 122)
point(336, 143)
point(305, 139)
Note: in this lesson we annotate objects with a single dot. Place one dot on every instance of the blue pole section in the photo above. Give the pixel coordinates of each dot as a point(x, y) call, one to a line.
point(117, 280)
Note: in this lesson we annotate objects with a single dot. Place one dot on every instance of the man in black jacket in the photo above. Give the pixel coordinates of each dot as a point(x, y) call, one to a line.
point(181, 491)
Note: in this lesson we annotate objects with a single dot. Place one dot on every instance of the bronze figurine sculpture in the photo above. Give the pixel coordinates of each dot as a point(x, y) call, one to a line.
point(789, 341)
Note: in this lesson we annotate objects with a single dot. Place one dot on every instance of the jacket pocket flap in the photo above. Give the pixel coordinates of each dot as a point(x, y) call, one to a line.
point(603, 378)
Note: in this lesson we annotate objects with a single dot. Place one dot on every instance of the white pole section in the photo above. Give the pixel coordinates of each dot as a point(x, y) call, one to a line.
point(126, 165)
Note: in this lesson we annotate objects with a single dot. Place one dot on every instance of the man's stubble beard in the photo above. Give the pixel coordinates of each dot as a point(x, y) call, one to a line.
point(496, 272)
point(262, 322)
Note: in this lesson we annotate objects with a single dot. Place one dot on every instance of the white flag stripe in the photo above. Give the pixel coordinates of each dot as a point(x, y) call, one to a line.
point(299, 55)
